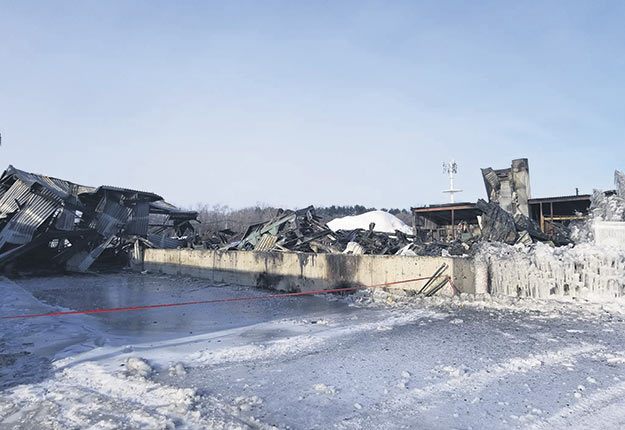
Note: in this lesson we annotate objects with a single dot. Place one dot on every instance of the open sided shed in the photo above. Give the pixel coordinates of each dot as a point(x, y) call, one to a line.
point(445, 221)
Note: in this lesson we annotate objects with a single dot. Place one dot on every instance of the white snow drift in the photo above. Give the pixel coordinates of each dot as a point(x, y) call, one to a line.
point(384, 222)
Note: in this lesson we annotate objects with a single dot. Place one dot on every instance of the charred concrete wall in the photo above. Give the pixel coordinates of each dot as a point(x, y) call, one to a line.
point(291, 271)
point(509, 188)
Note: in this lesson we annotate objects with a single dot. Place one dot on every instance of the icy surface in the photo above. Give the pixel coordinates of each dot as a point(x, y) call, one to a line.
point(321, 362)
point(586, 271)
point(384, 222)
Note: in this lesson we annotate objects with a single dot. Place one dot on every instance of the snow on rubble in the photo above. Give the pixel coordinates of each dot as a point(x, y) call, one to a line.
point(384, 222)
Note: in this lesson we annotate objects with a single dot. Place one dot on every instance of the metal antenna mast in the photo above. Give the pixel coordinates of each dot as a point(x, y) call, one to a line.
point(451, 168)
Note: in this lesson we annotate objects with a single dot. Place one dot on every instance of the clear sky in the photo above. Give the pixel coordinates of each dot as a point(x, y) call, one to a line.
point(310, 102)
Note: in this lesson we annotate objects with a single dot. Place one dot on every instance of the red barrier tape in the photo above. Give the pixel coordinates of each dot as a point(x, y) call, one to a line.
point(235, 299)
point(453, 287)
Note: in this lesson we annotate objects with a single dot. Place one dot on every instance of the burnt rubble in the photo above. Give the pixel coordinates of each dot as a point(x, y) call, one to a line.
point(49, 224)
point(499, 225)
point(300, 231)
point(304, 231)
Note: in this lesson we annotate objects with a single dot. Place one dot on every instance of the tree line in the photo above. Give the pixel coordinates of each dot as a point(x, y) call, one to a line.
point(221, 217)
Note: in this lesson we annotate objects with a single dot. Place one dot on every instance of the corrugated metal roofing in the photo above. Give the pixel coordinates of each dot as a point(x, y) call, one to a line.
point(144, 195)
point(163, 207)
point(29, 201)
point(111, 216)
point(266, 242)
point(139, 219)
point(62, 189)
point(14, 197)
point(34, 212)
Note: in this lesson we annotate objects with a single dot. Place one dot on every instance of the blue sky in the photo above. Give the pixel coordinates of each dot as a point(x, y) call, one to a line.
point(295, 103)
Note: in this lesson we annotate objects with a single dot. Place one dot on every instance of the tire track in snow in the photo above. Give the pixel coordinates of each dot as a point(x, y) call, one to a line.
point(480, 379)
point(431, 396)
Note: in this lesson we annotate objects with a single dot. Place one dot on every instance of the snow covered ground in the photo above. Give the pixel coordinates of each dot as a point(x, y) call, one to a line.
point(370, 360)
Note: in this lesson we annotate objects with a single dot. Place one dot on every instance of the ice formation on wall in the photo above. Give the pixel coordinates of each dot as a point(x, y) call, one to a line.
point(541, 271)
point(584, 271)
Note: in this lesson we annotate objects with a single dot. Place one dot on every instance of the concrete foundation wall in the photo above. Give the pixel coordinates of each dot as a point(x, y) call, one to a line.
point(290, 271)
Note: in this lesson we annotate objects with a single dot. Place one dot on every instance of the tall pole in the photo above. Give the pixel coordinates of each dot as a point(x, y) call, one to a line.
point(451, 168)
point(451, 185)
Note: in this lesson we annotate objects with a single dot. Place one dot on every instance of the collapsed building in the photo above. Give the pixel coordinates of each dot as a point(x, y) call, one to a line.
point(50, 224)
point(510, 215)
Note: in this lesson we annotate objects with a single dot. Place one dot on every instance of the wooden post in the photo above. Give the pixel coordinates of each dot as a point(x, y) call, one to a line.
point(453, 227)
point(551, 219)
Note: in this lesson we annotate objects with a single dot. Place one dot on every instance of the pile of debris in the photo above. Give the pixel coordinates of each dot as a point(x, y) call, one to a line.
point(216, 239)
point(498, 225)
point(50, 224)
point(303, 231)
point(369, 241)
point(289, 230)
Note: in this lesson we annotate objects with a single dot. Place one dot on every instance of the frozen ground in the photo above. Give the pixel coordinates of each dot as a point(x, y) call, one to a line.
point(322, 362)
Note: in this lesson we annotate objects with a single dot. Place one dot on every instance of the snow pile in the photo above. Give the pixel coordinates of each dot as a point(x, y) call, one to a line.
point(87, 395)
point(137, 367)
point(177, 369)
point(585, 271)
point(384, 222)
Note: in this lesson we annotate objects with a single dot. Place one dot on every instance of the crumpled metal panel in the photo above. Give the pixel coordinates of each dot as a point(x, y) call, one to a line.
point(139, 219)
point(39, 207)
point(165, 208)
point(64, 190)
point(104, 189)
point(66, 220)
point(13, 198)
point(266, 242)
point(492, 184)
point(81, 261)
point(35, 209)
point(110, 218)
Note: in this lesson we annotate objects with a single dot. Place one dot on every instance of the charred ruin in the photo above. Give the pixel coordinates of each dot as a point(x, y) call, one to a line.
point(50, 224)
